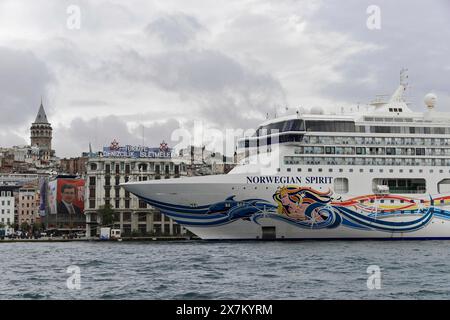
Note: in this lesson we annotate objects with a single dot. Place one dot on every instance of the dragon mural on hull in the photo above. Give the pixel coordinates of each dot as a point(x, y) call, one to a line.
point(305, 207)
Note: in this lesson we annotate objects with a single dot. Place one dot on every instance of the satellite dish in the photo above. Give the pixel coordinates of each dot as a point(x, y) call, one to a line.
point(430, 100)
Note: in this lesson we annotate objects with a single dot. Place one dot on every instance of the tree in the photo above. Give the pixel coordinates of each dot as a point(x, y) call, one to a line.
point(37, 226)
point(2, 225)
point(24, 226)
point(14, 226)
point(106, 214)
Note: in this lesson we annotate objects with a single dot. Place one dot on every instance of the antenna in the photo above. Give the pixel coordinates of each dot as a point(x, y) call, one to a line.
point(404, 77)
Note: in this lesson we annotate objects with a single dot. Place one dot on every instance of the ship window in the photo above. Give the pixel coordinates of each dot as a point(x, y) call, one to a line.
point(398, 185)
point(299, 169)
point(361, 170)
point(330, 170)
point(309, 170)
point(341, 185)
point(289, 169)
point(400, 110)
point(330, 126)
point(390, 110)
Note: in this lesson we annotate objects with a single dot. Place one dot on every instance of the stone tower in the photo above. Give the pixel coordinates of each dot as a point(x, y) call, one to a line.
point(41, 134)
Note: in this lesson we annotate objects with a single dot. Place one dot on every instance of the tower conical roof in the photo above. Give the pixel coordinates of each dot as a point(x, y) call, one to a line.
point(41, 116)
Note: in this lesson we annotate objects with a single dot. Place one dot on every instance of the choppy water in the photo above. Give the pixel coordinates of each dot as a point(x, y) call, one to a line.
point(226, 270)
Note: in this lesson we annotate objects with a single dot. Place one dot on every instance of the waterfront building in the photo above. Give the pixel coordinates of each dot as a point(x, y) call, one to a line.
point(116, 165)
point(7, 204)
point(28, 200)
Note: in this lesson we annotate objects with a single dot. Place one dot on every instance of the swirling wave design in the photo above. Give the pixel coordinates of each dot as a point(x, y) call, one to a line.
point(316, 210)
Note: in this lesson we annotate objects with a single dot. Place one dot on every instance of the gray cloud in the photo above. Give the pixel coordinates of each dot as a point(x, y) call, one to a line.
point(412, 35)
point(144, 63)
point(175, 29)
point(100, 131)
point(225, 91)
point(24, 79)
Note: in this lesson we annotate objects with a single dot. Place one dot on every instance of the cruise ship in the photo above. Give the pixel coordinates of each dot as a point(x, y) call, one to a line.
point(380, 171)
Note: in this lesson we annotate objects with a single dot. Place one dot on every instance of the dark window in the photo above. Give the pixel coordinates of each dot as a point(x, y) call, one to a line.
point(420, 151)
point(127, 216)
point(92, 181)
point(290, 125)
point(330, 126)
point(157, 216)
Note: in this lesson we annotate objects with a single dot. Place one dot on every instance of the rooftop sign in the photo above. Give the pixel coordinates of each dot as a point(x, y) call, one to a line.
point(128, 151)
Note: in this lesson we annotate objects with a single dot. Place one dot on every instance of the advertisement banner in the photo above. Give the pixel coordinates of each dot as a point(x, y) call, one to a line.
point(52, 193)
point(66, 196)
point(43, 196)
point(70, 196)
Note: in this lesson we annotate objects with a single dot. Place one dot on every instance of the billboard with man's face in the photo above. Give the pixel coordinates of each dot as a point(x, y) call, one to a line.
point(66, 196)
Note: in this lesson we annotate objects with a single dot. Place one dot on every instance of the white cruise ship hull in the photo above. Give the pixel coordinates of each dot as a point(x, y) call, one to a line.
point(234, 207)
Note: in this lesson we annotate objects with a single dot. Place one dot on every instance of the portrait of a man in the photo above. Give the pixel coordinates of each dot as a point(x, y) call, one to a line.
point(68, 198)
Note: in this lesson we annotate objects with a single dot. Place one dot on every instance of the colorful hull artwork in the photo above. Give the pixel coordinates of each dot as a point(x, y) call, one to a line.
point(307, 208)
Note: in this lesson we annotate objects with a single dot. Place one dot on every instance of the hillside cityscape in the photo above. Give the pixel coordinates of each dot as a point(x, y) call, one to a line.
point(41, 193)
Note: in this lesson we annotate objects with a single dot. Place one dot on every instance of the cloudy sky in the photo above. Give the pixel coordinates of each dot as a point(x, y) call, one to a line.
point(162, 65)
